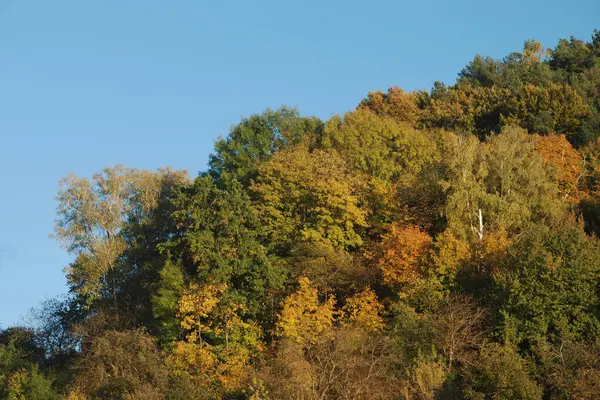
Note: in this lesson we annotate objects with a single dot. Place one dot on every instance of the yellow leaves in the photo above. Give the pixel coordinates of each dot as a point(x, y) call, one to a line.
point(234, 372)
point(400, 254)
point(451, 253)
point(305, 319)
point(197, 303)
point(309, 195)
point(192, 359)
point(15, 385)
point(209, 365)
point(76, 394)
point(428, 379)
point(225, 361)
point(364, 311)
point(492, 249)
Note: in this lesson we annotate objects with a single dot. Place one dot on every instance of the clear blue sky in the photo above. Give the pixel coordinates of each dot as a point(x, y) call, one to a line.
point(147, 83)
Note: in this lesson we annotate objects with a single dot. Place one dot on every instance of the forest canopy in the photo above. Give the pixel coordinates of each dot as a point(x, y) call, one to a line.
point(436, 244)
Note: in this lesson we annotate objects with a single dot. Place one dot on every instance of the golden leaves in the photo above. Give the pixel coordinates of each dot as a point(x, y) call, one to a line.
point(364, 310)
point(195, 306)
point(401, 106)
point(305, 319)
point(308, 321)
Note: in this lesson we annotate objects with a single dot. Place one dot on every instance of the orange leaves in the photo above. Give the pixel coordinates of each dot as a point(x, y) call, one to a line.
point(567, 162)
point(400, 254)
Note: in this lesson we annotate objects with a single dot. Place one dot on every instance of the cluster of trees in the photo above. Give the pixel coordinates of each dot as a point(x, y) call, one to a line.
point(425, 245)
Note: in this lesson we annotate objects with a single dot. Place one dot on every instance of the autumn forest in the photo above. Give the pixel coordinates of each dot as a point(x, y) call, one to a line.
point(437, 244)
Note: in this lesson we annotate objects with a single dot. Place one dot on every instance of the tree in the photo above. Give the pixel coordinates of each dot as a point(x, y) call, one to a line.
point(308, 196)
point(217, 238)
point(364, 311)
point(317, 360)
point(501, 374)
point(403, 107)
point(401, 255)
point(459, 329)
point(20, 374)
point(572, 55)
point(256, 138)
point(330, 269)
point(468, 109)
point(501, 185)
point(568, 165)
point(303, 318)
point(553, 108)
point(121, 365)
point(97, 221)
point(165, 303)
point(548, 282)
point(219, 344)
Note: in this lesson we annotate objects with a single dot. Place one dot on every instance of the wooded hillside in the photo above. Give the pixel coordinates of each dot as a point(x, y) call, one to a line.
point(427, 245)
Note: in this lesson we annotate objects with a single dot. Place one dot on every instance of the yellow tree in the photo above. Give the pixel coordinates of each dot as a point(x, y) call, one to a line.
point(304, 318)
point(196, 305)
point(309, 195)
point(397, 163)
point(364, 310)
point(223, 364)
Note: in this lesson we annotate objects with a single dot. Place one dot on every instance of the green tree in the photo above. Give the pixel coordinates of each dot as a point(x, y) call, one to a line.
point(256, 138)
point(20, 374)
point(548, 283)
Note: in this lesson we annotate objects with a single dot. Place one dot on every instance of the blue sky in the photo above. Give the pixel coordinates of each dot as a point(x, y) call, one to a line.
point(147, 83)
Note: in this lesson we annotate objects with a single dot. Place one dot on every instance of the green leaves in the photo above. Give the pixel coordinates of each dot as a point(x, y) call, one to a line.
point(549, 282)
point(256, 138)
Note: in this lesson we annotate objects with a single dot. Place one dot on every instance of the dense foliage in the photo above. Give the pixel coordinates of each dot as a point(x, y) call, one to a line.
point(425, 245)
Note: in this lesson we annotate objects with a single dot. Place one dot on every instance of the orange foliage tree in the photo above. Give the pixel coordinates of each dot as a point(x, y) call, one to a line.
point(401, 254)
point(567, 162)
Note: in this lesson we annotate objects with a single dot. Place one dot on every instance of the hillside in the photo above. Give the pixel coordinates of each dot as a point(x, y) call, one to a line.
point(430, 244)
